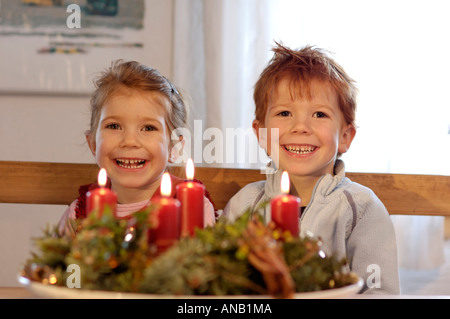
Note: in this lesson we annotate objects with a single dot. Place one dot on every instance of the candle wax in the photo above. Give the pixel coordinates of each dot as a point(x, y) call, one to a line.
point(285, 213)
point(191, 196)
point(165, 223)
point(97, 199)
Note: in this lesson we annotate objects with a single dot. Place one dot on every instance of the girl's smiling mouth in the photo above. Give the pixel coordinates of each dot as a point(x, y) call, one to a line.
point(130, 163)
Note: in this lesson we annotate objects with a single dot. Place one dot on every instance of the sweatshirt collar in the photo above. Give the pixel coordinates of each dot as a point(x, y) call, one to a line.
point(325, 185)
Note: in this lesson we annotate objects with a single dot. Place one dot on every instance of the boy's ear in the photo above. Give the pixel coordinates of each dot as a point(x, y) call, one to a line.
point(177, 150)
point(91, 144)
point(262, 135)
point(346, 138)
point(256, 125)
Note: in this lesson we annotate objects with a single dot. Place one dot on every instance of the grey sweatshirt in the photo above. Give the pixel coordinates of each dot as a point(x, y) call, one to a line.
point(349, 218)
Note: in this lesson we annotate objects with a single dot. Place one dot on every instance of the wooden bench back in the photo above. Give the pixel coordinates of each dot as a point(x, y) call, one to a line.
point(57, 183)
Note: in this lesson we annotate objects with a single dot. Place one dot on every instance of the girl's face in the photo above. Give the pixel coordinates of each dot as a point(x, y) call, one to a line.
point(132, 143)
point(311, 131)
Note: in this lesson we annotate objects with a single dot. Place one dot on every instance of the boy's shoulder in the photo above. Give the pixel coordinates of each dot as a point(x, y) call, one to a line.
point(253, 186)
point(249, 192)
point(343, 184)
point(244, 198)
point(362, 196)
point(358, 189)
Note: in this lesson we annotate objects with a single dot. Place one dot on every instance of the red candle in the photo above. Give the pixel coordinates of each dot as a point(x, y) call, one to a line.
point(97, 199)
point(191, 196)
point(165, 219)
point(285, 209)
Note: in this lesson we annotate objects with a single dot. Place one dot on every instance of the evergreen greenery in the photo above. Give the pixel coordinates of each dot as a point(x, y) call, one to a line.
point(227, 259)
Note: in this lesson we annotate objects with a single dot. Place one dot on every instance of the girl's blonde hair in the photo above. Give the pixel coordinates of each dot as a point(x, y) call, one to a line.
point(300, 68)
point(134, 75)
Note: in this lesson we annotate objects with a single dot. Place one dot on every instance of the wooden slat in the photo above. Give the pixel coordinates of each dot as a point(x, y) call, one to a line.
point(43, 183)
point(409, 194)
point(57, 183)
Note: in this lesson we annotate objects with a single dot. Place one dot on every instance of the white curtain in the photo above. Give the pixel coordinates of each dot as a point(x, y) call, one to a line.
point(220, 48)
point(395, 50)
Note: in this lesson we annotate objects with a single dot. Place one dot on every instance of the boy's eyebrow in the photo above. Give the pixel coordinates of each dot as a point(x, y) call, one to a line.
point(288, 105)
point(325, 106)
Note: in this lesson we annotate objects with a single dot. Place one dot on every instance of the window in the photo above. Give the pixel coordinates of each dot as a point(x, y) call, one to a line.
point(399, 54)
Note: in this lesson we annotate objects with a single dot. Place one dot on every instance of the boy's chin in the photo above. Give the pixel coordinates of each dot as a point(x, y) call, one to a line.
point(302, 171)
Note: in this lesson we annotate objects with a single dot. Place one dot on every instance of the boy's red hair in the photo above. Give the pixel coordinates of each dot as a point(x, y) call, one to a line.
point(301, 67)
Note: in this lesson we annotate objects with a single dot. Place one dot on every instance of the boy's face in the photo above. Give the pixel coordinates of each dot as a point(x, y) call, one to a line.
point(132, 140)
point(311, 131)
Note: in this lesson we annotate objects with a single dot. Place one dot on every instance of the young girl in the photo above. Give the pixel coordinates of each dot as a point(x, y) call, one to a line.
point(134, 111)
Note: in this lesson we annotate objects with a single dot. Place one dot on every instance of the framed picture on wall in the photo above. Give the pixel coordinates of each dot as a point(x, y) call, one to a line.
point(57, 46)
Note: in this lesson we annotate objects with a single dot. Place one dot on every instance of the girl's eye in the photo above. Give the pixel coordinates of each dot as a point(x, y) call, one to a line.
point(149, 128)
point(320, 115)
point(284, 113)
point(113, 126)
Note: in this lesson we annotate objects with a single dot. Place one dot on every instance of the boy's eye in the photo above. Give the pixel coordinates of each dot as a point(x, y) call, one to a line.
point(284, 113)
point(320, 115)
point(113, 126)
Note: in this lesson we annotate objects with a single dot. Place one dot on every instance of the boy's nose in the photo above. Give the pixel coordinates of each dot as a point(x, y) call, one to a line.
point(301, 126)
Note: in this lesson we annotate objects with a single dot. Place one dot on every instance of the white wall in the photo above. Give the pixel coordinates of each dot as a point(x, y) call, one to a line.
point(50, 128)
point(36, 128)
point(44, 128)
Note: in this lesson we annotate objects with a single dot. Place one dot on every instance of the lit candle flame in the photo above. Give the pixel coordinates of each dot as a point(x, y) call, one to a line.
point(102, 177)
point(166, 185)
point(285, 183)
point(190, 169)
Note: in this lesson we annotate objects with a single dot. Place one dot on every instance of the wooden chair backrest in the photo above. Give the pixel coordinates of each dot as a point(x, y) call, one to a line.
point(57, 183)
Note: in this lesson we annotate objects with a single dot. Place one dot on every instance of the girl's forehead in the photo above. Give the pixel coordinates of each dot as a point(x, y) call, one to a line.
point(124, 99)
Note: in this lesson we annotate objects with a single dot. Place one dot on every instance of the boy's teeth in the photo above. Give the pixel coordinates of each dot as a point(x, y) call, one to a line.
point(300, 149)
point(126, 163)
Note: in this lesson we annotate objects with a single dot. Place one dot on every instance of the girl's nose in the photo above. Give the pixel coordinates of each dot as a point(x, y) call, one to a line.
point(130, 139)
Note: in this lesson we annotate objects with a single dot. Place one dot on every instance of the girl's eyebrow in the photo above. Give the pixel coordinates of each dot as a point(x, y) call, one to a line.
point(141, 119)
point(152, 119)
point(110, 118)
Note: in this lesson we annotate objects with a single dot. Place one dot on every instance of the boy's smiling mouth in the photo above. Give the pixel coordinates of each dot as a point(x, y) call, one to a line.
point(300, 149)
point(130, 163)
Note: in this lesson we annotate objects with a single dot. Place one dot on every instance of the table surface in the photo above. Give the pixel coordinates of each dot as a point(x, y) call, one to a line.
point(23, 293)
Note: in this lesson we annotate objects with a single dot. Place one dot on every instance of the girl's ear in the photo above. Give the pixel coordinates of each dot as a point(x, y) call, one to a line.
point(91, 143)
point(177, 150)
point(346, 138)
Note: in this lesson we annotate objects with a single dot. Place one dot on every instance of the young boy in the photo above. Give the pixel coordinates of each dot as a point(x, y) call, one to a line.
point(309, 101)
